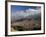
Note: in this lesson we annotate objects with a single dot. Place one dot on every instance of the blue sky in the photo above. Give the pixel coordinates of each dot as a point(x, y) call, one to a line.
point(24, 11)
point(15, 8)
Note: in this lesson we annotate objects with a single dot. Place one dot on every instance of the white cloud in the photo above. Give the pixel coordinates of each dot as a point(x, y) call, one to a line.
point(23, 14)
point(28, 12)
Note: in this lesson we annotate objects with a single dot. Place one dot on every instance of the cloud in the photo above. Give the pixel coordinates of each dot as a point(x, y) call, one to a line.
point(24, 14)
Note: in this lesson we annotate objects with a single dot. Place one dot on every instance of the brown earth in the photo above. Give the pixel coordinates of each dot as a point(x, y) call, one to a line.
point(26, 25)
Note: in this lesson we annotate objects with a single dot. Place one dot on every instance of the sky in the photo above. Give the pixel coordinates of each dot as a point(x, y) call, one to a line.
point(24, 11)
point(15, 8)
